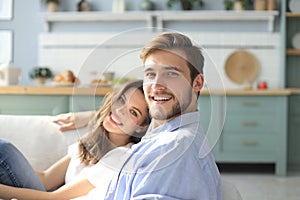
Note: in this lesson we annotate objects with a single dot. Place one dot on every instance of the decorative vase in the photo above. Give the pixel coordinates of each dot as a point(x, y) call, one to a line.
point(271, 5)
point(238, 6)
point(146, 5)
point(186, 5)
point(260, 4)
point(40, 80)
point(83, 6)
point(118, 6)
point(52, 7)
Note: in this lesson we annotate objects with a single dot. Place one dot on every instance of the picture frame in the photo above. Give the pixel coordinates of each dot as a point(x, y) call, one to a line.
point(6, 47)
point(6, 9)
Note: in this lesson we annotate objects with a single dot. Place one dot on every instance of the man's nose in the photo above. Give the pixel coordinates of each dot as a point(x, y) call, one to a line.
point(159, 82)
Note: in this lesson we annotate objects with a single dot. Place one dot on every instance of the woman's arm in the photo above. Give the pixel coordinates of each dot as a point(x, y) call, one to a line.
point(54, 176)
point(73, 120)
point(77, 189)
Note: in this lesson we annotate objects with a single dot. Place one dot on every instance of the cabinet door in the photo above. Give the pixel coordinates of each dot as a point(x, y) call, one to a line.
point(33, 104)
point(294, 133)
point(84, 102)
point(255, 130)
point(212, 118)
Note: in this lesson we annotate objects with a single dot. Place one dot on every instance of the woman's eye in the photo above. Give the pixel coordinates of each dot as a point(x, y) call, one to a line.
point(134, 113)
point(121, 99)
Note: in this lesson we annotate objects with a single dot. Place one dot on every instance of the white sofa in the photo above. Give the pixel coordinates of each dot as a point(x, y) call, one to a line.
point(38, 138)
point(42, 144)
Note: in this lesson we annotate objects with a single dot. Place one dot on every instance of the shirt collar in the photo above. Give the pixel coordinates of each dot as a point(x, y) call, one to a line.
point(174, 124)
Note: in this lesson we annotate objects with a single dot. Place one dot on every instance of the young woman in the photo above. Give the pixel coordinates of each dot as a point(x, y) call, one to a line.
point(120, 122)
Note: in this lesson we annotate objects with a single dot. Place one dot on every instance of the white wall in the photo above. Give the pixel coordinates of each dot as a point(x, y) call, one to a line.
point(120, 53)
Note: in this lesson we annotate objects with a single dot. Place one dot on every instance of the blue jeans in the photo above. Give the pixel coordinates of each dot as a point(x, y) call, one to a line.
point(15, 170)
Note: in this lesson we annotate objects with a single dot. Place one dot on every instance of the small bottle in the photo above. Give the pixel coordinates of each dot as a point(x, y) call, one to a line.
point(83, 6)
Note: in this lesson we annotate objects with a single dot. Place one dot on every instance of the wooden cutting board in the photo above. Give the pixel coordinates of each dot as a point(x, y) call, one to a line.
point(241, 67)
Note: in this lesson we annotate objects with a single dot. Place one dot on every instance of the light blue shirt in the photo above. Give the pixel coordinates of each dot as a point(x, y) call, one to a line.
point(171, 162)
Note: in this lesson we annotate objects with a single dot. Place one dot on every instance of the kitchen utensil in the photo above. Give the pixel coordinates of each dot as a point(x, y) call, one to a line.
point(241, 67)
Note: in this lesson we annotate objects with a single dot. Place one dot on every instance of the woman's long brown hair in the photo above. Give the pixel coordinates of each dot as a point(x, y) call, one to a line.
point(96, 144)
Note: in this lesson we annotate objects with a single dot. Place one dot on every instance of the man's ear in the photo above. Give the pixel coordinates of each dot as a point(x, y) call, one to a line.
point(198, 83)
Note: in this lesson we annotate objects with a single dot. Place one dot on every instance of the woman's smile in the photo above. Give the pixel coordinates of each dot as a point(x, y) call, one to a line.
point(114, 120)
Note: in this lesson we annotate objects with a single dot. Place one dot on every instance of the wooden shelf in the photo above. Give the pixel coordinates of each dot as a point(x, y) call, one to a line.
point(293, 52)
point(289, 14)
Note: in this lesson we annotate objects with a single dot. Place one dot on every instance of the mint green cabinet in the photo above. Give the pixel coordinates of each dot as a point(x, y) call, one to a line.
point(84, 102)
point(47, 104)
point(212, 117)
point(294, 133)
point(255, 129)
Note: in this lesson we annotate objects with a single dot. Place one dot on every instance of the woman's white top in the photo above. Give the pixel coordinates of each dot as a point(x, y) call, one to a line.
point(99, 174)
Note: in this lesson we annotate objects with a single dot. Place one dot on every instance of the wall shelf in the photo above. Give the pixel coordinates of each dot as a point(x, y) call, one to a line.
point(158, 18)
point(289, 14)
point(293, 52)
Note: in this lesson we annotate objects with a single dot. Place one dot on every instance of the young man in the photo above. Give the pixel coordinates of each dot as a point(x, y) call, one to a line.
point(173, 160)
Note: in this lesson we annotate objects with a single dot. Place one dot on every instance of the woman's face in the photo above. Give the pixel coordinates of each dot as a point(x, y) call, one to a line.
point(128, 112)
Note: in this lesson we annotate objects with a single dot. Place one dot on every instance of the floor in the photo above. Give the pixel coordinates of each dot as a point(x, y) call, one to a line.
point(264, 185)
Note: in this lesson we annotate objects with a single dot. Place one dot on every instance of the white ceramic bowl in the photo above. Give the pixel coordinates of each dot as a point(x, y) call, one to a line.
point(296, 41)
point(294, 6)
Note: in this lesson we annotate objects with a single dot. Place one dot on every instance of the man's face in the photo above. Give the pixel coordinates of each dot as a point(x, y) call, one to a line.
point(167, 86)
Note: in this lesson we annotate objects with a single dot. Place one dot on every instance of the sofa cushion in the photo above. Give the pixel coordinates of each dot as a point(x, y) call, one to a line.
point(38, 138)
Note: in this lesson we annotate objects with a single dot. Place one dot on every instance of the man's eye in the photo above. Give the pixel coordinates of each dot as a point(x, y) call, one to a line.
point(150, 75)
point(173, 74)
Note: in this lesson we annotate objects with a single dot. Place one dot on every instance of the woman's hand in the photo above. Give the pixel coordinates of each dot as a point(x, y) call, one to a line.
point(73, 120)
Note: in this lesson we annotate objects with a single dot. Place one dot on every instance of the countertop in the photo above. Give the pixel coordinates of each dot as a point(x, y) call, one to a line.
point(265, 92)
point(55, 90)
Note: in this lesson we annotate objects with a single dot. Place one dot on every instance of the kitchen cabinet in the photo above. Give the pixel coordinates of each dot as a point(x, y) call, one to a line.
point(255, 129)
point(33, 104)
point(290, 25)
point(292, 55)
point(31, 100)
point(294, 133)
point(46, 104)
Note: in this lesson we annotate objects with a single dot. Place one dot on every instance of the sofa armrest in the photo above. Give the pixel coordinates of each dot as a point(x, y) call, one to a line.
point(38, 138)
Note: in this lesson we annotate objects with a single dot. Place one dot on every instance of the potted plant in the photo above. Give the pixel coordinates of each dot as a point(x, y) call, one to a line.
point(52, 5)
point(186, 4)
point(228, 4)
point(40, 74)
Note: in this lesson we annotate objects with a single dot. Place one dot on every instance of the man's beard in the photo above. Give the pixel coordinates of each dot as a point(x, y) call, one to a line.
point(160, 114)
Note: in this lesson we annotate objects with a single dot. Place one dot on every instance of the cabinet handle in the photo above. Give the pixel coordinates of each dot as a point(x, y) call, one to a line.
point(249, 143)
point(249, 103)
point(249, 123)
